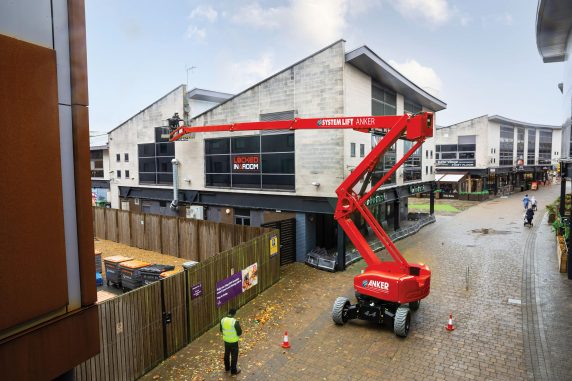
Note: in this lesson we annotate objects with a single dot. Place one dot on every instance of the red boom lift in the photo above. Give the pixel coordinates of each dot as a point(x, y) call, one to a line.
point(385, 290)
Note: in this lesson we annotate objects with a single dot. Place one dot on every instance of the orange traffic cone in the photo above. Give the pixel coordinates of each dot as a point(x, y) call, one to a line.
point(450, 326)
point(286, 343)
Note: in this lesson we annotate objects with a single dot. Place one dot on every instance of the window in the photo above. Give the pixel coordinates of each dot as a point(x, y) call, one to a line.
point(426, 154)
point(385, 164)
point(544, 147)
point(426, 170)
point(361, 150)
point(118, 157)
point(457, 155)
point(126, 157)
point(118, 174)
point(520, 143)
point(531, 146)
point(506, 146)
point(383, 100)
point(431, 168)
point(412, 167)
point(352, 150)
point(252, 162)
point(155, 159)
point(242, 216)
point(127, 174)
point(411, 107)
point(431, 154)
point(96, 162)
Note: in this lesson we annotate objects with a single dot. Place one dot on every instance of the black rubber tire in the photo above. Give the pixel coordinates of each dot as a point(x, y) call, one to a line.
point(107, 283)
point(414, 306)
point(402, 321)
point(340, 305)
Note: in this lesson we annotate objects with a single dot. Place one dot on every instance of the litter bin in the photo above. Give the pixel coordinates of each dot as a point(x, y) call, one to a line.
point(112, 272)
point(150, 274)
point(98, 261)
point(130, 277)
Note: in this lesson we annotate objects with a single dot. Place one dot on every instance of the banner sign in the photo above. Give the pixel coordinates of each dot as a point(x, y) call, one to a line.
point(246, 164)
point(196, 290)
point(250, 277)
point(228, 288)
point(273, 245)
point(456, 163)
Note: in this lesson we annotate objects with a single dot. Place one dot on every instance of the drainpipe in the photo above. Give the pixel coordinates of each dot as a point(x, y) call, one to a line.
point(175, 202)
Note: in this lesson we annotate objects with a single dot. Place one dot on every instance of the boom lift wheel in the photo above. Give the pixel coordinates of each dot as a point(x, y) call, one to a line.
point(414, 306)
point(340, 309)
point(401, 321)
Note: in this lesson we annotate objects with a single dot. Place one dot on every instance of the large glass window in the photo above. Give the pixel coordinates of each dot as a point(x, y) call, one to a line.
point(506, 148)
point(254, 162)
point(155, 159)
point(531, 146)
point(411, 107)
point(383, 100)
point(544, 147)
point(412, 167)
point(457, 155)
point(387, 161)
point(520, 143)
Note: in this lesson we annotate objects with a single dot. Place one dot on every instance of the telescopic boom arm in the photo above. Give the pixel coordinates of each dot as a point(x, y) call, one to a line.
point(414, 128)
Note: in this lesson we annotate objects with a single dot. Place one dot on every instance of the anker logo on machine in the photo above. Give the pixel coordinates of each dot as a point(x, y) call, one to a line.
point(383, 286)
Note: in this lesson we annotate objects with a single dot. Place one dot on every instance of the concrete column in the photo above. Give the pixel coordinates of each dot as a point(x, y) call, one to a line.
point(341, 249)
point(396, 214)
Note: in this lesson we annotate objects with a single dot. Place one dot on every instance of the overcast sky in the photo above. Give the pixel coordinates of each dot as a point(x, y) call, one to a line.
point(479, 57)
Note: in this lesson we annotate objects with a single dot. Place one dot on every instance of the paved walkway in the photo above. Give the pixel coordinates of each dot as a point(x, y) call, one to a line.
point(493, 339)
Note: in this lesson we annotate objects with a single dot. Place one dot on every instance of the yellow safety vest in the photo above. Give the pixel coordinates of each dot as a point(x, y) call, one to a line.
point(229, 334)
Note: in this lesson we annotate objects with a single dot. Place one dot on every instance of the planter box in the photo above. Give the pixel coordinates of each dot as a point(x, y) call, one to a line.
point(463, 197)
point(562, 253)
point(474, 197)
point(551, 217)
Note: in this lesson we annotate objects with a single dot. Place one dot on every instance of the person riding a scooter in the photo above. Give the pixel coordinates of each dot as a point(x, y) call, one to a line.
point(529, 215)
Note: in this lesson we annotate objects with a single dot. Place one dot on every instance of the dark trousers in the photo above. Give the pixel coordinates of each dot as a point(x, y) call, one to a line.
point(230, 356)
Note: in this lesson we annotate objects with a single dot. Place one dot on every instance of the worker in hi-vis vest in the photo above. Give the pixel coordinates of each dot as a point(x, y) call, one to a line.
point(230, 328)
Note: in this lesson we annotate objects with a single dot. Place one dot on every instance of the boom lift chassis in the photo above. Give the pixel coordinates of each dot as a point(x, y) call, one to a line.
point(385, 291)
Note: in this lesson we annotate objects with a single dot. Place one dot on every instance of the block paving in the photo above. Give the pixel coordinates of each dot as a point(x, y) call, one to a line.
point(480, 258)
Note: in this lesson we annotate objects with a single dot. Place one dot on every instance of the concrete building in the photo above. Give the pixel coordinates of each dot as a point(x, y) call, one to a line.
point(299, 171)
point(495, 153)
point(49, 320)
point(99, 164)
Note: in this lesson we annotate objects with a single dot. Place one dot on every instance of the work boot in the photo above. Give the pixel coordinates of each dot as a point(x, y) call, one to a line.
point(235, 373)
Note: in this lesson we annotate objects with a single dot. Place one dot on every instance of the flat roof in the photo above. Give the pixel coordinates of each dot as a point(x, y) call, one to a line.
point(553, 24)
point(208, 95)
point(370, 63)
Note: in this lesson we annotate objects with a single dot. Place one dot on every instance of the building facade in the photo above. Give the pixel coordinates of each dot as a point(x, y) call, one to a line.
point(258, 178)
point(99, 165)
point(496, 154)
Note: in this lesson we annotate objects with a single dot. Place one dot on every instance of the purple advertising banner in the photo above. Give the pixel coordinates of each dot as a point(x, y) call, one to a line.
point(196, 290)
point(228, 288)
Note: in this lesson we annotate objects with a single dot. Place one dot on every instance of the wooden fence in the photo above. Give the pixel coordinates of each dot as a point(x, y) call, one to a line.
point(186, 238)
point(141, 328)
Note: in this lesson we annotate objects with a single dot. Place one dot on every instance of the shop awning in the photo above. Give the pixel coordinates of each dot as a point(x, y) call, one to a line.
point(451, 178)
